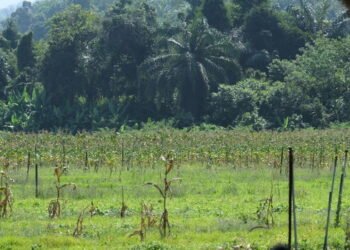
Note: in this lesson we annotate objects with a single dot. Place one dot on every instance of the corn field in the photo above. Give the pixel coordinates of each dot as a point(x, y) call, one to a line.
point(230, 192)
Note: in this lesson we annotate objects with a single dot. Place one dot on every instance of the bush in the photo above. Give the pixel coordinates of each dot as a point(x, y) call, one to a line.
point(240, 104)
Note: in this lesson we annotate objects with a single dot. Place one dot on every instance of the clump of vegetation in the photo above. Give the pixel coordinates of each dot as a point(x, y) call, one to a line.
point(54, 208)
point(91, 210)
point(165, 191)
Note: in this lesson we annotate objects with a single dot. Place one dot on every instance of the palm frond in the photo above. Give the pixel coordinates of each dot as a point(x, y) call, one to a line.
point(321, 15)
point(217, 69)
point(157, 60)
point(203, 73)
point(174, 42)
point(223, 59)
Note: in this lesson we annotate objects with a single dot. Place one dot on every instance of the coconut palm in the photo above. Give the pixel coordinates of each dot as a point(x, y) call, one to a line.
point(192, 65)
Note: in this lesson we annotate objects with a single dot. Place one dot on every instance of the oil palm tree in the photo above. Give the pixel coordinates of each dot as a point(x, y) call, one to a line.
point(192, 65)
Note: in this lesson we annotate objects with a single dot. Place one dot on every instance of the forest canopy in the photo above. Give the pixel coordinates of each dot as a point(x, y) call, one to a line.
point(91, 64)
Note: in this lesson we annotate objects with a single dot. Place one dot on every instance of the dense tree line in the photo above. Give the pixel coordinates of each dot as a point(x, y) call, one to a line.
point(88, 64)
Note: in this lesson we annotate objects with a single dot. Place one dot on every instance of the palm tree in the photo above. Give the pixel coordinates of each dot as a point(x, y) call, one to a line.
point(189, 68)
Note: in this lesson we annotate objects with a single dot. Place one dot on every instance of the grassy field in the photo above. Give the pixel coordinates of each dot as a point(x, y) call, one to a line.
point(226, 178)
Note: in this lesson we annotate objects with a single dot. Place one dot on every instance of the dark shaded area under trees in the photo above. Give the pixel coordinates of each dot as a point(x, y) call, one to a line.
point(88, 64)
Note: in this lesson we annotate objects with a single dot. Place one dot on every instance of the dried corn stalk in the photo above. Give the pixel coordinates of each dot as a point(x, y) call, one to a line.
point(91, 209)
point(147, 220)
point(7, 202)
point(5, 191)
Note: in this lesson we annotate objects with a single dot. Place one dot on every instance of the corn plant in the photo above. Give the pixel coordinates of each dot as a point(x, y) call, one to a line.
point(3, 174)
point(7, 201)
point(86, 161)
point(54, 208)
point(91, 210)
point(165, 191)
point(124, 206)
point(147, 220)
point(264, 212)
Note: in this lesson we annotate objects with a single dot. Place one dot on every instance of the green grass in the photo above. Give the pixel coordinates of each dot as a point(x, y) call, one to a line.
point(211, 208)
point(226, 175)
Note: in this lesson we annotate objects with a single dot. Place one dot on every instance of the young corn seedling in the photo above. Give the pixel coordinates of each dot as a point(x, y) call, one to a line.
point(165, 192)
point(54, 208)
point(91, 210)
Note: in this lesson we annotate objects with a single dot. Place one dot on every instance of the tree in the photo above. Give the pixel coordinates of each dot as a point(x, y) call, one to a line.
point(244, 8)
point(23, 19)
point(194, 3)
point(314, 19)
point(316, 88)
point(4, 43)
point(126, 40)
point(65, 63)
point(181, 78)
point(216, 14)
point(10, 33)
point(85, 4)
point(25, 55)
point(240, 104)
point(272, 32)
point(4, 73)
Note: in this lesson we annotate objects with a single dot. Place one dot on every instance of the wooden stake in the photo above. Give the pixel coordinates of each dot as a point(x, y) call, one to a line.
point(36, 181)
point(281, 163)
point(64, 154)
point(295, 218)
point(337, 219)
point(86, 160)
point(291, 176)
point(325, 245)
point(28, 165)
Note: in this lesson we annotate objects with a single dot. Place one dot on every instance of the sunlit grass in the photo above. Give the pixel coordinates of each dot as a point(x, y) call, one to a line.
point(214, 207)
